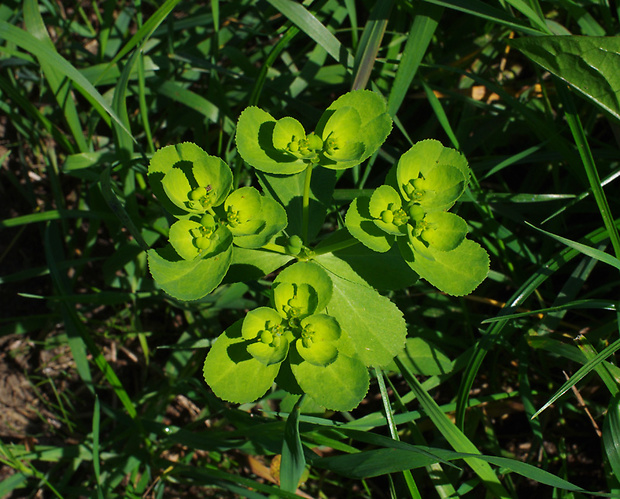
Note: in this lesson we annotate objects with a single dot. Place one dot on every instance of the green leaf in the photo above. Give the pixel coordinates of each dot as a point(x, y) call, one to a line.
point(581, 373)
point(339, 386)
point(254, 138)
point(457, 272)
point(229, 368)
point(597, 254)
point(374, 126)
point(311, 274)
point(423, 358)
point(293, 462)
point(362, 227)
point(44, 52)
point(384, 271)
point(252, 264)
point(590, 64)
point(373, 323)
point(313, 28)
point(188, 279)
point(453, 435)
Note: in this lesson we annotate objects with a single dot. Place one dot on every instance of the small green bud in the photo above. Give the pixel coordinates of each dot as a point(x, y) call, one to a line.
point(208, 221)
point(294, 244)
point(203, 242)
point(197, 193)
point(314, 142)
point(387, 216)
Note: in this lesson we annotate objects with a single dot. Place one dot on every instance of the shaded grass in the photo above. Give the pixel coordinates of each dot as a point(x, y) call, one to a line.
point(82, 111)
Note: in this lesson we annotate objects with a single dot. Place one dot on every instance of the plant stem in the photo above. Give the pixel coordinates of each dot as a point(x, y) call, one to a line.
point(330, 248)
point(306, 204)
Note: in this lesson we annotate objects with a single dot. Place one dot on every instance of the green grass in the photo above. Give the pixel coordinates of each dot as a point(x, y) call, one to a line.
point(105, 370)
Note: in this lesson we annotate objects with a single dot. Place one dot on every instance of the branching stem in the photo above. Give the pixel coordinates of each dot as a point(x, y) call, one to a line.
point(306, 203)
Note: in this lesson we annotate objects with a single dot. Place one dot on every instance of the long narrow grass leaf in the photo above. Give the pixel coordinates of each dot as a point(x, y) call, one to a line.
point(452, 434)
point(422, 29)
point(312, 27)
point(493, 333)
point(597, 254)
point(28, 42)
point(370, 43)
point(580, 374)
point(293, 460)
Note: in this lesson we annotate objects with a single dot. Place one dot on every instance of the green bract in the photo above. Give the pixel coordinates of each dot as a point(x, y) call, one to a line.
point(432, 175)
point(349, 132)
point(430, 179)
point(187, 180)
point(206, 238)
point(271, 335)
point(386, 209)
point(243, 212)
point(318, 341)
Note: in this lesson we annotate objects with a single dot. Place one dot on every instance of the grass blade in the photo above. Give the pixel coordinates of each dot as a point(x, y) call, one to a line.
point(28, 42)
point(370, 43)
point(581, 373)
point(387, 408)
point(312, 27)
point(293, 460)
point(422, 28)
point(597, 254)
point(453, 435)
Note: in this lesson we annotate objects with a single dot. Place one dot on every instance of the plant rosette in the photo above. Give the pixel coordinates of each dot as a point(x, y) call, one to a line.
point(293, 332)
point(351, 129)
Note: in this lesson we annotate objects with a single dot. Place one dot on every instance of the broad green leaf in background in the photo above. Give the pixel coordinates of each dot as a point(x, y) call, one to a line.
point(374, 324)
point(589, 64)
point(252, 264)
